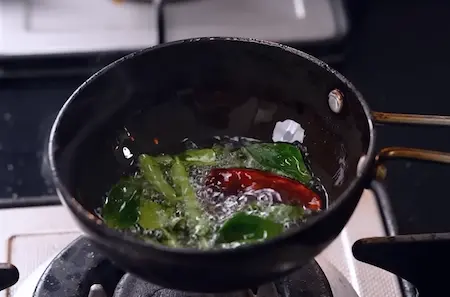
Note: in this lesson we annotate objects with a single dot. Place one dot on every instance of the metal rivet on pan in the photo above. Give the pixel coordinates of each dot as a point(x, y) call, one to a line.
point(336, 100)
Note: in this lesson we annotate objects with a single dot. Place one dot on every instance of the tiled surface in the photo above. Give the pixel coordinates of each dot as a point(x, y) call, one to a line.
point(31, 235)
point(367, 280)
point(65, 26)
point(36, 247)
point(281, 20)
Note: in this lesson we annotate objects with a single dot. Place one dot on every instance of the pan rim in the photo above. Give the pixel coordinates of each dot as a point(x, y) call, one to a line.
point(98, 227)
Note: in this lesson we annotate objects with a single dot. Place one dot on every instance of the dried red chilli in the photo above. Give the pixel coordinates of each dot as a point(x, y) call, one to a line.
point(232, 181)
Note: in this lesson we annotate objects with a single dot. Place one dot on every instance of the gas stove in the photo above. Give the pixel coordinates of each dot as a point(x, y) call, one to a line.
point(49, 47)
point(81, 270)
point(49, 27)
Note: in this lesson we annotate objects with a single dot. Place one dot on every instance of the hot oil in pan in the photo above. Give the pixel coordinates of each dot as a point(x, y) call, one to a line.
point(219, 193)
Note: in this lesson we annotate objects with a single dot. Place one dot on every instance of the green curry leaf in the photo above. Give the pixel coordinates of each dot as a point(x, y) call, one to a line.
point(244, 227)
point(280, 158)
point(199, 157)
point(121, 208)
point(163, 160)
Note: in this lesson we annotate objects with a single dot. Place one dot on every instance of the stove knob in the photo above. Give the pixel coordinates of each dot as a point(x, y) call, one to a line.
point(9, 275)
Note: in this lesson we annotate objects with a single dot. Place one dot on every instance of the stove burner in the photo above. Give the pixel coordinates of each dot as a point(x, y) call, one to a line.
point(81, 267)
point(73, 272)
point(310, 281)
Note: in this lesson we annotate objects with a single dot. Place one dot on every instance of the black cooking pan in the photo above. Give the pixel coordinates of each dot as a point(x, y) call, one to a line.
point(198, 89)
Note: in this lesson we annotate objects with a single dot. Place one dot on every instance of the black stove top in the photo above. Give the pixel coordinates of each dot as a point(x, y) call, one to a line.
point(27, 111)
point(81, 270)
point(32, 90)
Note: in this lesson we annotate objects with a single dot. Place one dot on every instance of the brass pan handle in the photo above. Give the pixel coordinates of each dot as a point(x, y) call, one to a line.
point(405, 152)
point(414, 154)
point(410, 119)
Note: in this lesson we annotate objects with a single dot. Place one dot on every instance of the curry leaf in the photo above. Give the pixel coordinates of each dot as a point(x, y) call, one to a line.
point(199, 157)
point(163, 160)
point(121, 208)
point(244, 227)
point(280, 158)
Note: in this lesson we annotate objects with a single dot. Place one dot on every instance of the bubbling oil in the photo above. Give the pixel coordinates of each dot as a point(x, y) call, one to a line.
point(216, 206)
point(220, 207)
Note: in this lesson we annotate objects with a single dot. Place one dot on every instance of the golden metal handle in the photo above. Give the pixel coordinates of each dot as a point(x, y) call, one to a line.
point(412, 154)
point(405, 152)
point(410, 119)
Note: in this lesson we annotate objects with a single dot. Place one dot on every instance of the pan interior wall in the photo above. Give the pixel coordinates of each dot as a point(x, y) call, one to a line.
point(203, 89)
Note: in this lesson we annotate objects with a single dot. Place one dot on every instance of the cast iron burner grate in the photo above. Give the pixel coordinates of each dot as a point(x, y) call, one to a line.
point(81, 270)
point(310, 281)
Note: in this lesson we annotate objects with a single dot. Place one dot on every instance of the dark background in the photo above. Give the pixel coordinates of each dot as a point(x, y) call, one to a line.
point(397, 54)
